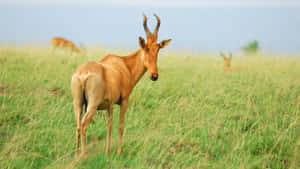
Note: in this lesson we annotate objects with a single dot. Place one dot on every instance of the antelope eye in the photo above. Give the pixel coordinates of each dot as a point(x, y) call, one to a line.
point(147, 49)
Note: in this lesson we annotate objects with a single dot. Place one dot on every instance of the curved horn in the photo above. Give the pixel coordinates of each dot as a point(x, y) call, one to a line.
point(145, 26)
point(157, 25)
point(222, 54)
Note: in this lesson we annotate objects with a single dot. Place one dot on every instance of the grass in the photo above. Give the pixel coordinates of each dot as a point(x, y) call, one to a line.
point(195, 116)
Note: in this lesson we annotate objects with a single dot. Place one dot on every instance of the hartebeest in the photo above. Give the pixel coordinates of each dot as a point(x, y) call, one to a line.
point(64, 43)
point(99, 85)
point(227, 64)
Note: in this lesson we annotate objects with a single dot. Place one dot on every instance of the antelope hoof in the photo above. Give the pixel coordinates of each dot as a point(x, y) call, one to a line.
point(119, 152)
point(83, 153)
point(107, 151)
point(77, 154)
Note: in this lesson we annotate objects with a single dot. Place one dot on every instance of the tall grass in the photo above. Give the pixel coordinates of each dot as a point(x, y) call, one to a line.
point(195, 116)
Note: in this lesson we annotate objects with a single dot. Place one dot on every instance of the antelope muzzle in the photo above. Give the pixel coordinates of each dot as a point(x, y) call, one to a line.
point(154, 76)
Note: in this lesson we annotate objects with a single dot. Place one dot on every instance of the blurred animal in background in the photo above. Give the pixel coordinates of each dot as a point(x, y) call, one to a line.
point(227, 64)
point(67, 44)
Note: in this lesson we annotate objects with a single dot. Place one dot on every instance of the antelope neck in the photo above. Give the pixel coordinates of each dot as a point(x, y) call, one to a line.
point(135, 64)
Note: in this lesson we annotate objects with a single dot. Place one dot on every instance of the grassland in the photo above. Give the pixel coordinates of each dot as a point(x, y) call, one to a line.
point(195, 116)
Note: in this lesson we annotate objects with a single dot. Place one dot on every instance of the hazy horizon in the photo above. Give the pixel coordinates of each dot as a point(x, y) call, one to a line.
point(199, 28)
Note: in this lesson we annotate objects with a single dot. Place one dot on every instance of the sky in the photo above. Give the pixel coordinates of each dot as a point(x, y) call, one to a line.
point(212, 25)
point(165, 3)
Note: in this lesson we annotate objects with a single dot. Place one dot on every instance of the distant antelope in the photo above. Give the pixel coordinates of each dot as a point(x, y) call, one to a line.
point(227, 64)
point(99, 85)
point(64, 43)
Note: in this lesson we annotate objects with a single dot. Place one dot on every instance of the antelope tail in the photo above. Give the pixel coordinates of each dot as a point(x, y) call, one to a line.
point(83, 85)
point(85, 103)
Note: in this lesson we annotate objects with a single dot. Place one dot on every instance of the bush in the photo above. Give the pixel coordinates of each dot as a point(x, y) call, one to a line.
point(251, 47)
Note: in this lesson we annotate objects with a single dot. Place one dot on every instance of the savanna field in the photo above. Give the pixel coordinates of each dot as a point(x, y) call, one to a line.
point(195, 115)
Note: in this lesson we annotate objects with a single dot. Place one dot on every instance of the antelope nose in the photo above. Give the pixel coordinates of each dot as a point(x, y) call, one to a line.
point(154, 76)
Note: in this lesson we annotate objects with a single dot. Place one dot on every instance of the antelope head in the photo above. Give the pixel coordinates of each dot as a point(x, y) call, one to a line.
point(151, 48)
point(227, 60)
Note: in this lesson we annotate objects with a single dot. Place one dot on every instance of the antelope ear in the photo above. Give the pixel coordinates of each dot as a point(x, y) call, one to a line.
point(230, 56)
point(164, 43)
point(222, 55)
point(142, 42)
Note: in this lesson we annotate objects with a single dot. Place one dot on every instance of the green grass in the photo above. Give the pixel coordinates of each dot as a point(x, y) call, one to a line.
point(195, 116)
